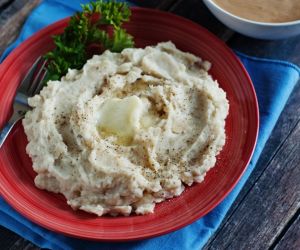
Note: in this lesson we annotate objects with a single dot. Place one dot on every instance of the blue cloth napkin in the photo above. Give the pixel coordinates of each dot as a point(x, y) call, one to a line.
point(273, 80)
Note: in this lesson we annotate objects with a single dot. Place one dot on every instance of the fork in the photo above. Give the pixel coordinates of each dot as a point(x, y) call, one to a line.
point(31, 85)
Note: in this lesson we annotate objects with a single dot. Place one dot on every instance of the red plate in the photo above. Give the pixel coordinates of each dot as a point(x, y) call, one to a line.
point(51, 211)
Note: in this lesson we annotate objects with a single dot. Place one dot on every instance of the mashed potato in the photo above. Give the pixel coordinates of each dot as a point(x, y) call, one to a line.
point(128, 130)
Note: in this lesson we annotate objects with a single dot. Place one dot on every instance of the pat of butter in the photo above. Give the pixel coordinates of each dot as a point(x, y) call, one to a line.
point(121, 117)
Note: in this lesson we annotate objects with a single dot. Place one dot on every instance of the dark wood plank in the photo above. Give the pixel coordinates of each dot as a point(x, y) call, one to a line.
point(4, 4)
point(10, 241)
point(7, 238)
point(197, 12)
point(23, 244)
point(166, 4)
point(147, 3)
point(11, 20)
point(291, 239)
point(157, 4)
point(286, 49)
point(272, 202)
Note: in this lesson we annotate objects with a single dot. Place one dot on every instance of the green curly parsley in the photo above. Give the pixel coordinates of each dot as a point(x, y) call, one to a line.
point(88, 30)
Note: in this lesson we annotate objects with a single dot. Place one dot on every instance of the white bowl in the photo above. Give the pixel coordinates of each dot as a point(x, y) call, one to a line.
point(254, 29)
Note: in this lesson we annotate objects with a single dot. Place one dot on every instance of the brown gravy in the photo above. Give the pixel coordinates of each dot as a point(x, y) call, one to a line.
point(271, 11)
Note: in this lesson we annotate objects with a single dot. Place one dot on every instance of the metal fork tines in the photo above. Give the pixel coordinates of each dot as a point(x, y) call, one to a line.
point(33, 80)
point(31, 85)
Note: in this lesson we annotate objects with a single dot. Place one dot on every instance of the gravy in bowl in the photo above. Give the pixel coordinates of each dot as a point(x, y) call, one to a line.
point(270, 11)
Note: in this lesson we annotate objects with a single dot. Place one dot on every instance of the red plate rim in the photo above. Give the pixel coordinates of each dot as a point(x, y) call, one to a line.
point(30, 41)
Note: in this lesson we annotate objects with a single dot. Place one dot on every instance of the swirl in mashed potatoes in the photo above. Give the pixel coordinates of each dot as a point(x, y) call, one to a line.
point(128, 130)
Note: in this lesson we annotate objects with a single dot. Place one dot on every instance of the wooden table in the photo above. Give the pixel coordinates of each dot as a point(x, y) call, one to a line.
point(266, 214)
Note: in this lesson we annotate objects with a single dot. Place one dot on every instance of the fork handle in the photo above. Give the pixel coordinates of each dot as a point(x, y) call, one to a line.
point(8, 127)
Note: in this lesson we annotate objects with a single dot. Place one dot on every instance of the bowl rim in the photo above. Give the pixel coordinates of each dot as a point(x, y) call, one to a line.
point(269, 24)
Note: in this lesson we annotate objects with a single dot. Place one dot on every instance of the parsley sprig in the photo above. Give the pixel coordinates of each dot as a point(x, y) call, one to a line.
point(99, 24)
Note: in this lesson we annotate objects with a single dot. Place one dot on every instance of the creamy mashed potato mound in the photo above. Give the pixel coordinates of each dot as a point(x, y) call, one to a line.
point(129, 130)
